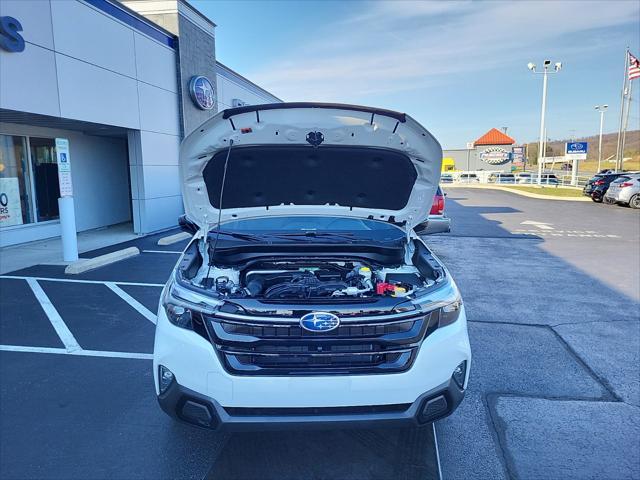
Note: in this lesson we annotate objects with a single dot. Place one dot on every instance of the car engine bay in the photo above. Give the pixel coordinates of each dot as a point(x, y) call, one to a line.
point(289, 279)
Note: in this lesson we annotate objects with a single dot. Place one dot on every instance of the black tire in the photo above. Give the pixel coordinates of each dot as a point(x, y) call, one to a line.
point(596, 199)
point(634, 202)
point(609, 201)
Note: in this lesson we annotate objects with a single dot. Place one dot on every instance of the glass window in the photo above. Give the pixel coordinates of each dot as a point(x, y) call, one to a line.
point(306, 223)
point(45, 177)
point(15, 184)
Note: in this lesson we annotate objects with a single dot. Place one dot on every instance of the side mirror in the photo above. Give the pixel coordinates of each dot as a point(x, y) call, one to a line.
point(187, 225)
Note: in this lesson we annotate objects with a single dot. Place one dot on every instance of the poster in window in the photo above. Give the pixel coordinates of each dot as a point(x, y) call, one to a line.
point(10, 206)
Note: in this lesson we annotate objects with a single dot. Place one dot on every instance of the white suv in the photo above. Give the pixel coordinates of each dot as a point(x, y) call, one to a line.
point(306, 297)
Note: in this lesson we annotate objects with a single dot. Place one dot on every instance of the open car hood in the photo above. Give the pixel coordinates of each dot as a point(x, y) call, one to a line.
point(310, 159)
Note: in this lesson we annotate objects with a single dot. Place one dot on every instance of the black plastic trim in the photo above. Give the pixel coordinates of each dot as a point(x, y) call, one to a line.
point(230, 112)
point(176, 396)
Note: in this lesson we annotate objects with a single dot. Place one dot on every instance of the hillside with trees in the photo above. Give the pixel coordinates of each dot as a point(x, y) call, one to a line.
point(609, 143)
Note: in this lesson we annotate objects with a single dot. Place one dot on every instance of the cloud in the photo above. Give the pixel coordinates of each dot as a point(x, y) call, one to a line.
point(406, 45)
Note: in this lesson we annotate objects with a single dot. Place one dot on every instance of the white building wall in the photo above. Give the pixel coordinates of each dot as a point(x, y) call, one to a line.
point(81, 63)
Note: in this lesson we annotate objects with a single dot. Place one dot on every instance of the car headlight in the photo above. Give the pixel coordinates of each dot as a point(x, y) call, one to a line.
point(449, 313)
point(445, 300)
point(183, 305)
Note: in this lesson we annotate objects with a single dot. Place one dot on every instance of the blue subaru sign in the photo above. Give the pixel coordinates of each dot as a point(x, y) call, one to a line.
point(577, 147)
point(319, 321)
point(202, 92)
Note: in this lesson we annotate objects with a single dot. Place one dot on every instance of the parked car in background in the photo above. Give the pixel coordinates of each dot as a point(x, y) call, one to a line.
point(531, 178)
point(523, 177)
point(438, 222)
point(624, 190)
point(508, 178)
point(446, 178)
point(597, 186)
point(468, 178)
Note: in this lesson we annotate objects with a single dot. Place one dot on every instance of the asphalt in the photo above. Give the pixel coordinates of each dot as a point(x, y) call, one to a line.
point(554, 323)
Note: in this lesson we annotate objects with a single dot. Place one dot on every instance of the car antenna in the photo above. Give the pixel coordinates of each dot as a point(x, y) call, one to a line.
point(224, 178)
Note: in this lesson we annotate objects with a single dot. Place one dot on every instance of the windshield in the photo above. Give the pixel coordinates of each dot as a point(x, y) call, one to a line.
point(303, 224)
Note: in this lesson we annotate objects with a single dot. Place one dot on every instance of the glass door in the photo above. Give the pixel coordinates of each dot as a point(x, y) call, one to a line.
point(15, 184)
point(45, 177)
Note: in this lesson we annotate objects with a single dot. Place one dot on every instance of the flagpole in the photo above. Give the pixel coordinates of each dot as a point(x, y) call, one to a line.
point(622, 97)
point(626, 125)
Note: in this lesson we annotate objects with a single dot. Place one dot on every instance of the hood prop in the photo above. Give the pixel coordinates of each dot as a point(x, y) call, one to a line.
point(224, 178)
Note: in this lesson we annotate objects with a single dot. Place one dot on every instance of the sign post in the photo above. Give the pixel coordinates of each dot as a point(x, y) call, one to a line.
point(470, 146)
point(65, 202)
point(576, 151)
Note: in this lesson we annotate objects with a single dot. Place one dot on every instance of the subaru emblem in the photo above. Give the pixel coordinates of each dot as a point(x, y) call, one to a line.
point(319, 321)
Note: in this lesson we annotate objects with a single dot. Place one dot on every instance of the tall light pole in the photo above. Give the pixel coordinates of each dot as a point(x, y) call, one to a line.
point(556, 68)
point(601, 109)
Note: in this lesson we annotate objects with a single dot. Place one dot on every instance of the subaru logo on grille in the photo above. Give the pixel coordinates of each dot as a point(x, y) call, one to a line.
point(319, 321)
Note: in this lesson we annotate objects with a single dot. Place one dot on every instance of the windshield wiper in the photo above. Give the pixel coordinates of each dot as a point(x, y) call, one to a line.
point(241, 236)
point(314, 234)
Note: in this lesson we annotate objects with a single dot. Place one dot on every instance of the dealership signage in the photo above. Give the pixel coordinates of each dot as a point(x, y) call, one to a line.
point(518, 155)
point(202, 92)
point(495, 156)
point(576, 150)
point(10, 206)
point(10, 38)
point(64, 167)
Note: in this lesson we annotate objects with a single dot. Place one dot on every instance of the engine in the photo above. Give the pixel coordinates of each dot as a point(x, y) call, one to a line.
point(285, 280)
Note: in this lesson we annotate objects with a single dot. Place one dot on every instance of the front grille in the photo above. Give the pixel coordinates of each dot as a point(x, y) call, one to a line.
point(357, 347)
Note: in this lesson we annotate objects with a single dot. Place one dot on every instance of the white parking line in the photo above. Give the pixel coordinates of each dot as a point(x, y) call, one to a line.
point(67, 338)
point(81, 353)
point(435, 442)
point(101, 282)
point(162, 251)
point(144, 311)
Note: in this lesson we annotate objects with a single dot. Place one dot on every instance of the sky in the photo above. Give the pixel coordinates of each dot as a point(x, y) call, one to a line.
point(458, 67)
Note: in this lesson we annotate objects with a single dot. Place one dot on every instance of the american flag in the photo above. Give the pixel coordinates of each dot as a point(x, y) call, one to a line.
point(634, 67)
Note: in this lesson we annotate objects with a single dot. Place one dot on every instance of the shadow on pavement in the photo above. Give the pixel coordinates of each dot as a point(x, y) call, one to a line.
point(546, 336)
point(402, 454)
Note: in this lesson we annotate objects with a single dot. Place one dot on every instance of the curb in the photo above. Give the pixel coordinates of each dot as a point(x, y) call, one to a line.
point(519, 192)
point(86, 264)
point(171, 239)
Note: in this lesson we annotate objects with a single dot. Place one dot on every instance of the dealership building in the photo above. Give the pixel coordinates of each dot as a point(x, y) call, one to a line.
point(117, 86)
point(494, 151)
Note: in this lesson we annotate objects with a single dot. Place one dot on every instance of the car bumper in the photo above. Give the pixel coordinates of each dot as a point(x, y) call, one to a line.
point(199, 373)
point(620, 196)
point(200, 410)
point(437, 224)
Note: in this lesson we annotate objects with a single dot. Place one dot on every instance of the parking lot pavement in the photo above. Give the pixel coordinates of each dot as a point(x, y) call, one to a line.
point(403, 454)
point(78, 417)
point(77, 399)
point(571, 438)
point(554, 325)
point(593, 238)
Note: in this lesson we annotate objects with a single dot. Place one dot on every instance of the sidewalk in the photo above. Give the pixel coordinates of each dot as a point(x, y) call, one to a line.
point(49, 252)
point(518, 192)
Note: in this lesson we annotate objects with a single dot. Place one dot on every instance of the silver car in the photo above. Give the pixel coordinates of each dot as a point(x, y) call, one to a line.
point(625, 190)
point(438, 222)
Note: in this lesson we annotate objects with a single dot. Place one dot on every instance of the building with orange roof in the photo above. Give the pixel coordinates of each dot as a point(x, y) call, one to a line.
point(492, 151)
